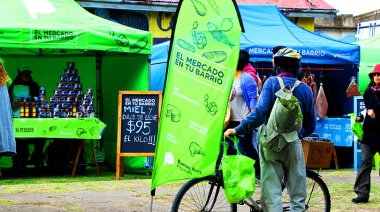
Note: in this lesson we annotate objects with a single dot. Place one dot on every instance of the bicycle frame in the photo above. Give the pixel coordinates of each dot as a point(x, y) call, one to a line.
point(318, 195)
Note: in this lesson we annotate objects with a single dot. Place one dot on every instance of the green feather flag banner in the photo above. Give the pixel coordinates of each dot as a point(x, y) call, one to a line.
point(204, 52)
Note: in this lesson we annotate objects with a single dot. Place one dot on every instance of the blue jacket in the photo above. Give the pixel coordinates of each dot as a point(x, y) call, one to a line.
point(249, 89)
point(266, 102)
point(7, 138)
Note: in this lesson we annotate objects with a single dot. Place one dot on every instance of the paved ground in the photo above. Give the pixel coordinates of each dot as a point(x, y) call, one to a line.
point(122, 195)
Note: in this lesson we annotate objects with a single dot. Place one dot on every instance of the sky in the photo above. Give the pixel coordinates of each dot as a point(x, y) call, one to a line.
point(354, 7)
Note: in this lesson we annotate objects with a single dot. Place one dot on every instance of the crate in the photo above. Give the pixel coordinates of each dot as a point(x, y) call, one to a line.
point(317, 153)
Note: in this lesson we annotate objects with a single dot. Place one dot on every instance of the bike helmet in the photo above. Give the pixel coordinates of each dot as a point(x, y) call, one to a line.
point(287, 58)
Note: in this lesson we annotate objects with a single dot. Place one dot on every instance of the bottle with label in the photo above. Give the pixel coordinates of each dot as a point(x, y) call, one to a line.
point(27, 108)
point(48, 113)
point(42, 92)
point(34, 109)
point(56, 112)
point(74, 109)
point(22, 108)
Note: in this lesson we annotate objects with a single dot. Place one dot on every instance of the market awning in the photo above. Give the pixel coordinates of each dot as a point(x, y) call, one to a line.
point(63, 26)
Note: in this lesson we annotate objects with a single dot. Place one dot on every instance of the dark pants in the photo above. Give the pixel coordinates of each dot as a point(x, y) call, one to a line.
point(20, 160)
point(363, 178)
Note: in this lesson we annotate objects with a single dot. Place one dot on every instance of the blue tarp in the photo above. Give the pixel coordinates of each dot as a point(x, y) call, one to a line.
point(160, 53)
point(265, 27)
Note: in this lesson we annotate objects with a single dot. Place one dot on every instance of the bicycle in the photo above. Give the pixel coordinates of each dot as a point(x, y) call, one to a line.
point(207, 194)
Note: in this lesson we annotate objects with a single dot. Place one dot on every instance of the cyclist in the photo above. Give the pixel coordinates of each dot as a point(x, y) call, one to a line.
point(289, 163)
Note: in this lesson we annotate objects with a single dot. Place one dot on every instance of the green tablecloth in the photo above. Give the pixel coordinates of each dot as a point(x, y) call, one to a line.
point(74, 128)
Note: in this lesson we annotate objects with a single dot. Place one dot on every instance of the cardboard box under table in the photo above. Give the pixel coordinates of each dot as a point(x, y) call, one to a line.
point(317, 153)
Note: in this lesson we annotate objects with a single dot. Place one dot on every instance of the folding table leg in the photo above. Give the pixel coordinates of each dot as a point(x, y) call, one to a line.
point(335, 157)
point(95, 160)
point(77, 158)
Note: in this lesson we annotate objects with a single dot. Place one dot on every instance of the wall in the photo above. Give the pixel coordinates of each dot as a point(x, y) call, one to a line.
point(338, 27)
point(161, 24)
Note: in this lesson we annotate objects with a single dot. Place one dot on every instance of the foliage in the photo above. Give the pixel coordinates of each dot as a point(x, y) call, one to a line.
point(292, 104)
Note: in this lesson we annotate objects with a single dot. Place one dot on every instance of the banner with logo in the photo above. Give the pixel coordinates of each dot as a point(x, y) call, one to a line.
point(204, 52)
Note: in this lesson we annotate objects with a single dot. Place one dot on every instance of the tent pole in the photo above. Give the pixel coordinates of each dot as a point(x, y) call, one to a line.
point(99, 94)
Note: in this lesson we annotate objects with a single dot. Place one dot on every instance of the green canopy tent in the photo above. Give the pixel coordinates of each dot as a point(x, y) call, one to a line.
point(46, 34)
point(369, 57)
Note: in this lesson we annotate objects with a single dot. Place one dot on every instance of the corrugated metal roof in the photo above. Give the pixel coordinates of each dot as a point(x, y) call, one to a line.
point(283, 4)
point(291, 8)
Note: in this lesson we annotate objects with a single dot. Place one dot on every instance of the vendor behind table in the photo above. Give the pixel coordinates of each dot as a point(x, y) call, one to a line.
point(23, 92)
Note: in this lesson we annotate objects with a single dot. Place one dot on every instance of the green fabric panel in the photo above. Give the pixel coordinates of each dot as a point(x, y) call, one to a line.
point(64, 24)
point(119, 74)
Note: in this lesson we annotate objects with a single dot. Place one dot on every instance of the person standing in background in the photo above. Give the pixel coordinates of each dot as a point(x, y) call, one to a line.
point(370, 143)
point(287, 165)
point(7, 139)
point(242, 101)
point(24, 87)
point(252, 71)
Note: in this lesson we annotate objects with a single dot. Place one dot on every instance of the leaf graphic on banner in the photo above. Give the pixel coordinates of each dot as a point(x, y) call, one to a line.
point(214, 6)
point(215, 56)
point(199, 7)
point(218, 34)
point(195, 149)
point(139, 45)
point(199, 38)
point(211, 107)
point(185, 45)
point(227, 24)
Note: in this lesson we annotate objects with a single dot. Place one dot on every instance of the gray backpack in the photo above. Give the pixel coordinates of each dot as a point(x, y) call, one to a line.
point(285, 120)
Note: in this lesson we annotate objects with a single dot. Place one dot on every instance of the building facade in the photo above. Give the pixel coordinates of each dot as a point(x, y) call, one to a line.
point(158, 16)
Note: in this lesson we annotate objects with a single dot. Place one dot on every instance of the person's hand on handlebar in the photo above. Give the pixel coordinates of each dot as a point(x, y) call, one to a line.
point(230, 132)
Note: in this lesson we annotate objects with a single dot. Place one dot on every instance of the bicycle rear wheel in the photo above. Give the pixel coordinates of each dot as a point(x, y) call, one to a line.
point(317, 194)
point(202, 194)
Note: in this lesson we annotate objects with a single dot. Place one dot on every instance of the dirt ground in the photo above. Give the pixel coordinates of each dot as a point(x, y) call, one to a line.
point(125, 195)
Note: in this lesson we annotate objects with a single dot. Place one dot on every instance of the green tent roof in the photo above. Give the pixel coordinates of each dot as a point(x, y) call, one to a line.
point(63, 26)
point(369, 57)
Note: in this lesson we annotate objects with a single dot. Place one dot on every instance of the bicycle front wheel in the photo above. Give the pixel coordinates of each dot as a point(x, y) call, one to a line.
point(202, 194)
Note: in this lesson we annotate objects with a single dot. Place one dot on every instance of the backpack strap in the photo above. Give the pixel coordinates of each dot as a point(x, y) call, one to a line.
point(295, 85)
point(282, 84)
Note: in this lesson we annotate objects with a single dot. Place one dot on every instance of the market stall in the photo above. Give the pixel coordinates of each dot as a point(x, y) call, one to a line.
point(108, 56)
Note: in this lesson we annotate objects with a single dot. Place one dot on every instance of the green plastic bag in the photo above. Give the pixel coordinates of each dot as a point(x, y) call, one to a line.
point(356, 127)
point(238, 175)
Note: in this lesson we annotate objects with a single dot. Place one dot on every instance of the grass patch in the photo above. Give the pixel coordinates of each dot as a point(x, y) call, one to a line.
point(73, 207)
point(8, 202)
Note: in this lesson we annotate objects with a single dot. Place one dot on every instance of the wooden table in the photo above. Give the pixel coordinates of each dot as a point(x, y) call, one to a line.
point(62, 128)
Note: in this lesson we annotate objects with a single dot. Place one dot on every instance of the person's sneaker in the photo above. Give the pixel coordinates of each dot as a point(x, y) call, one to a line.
point(359, 200)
